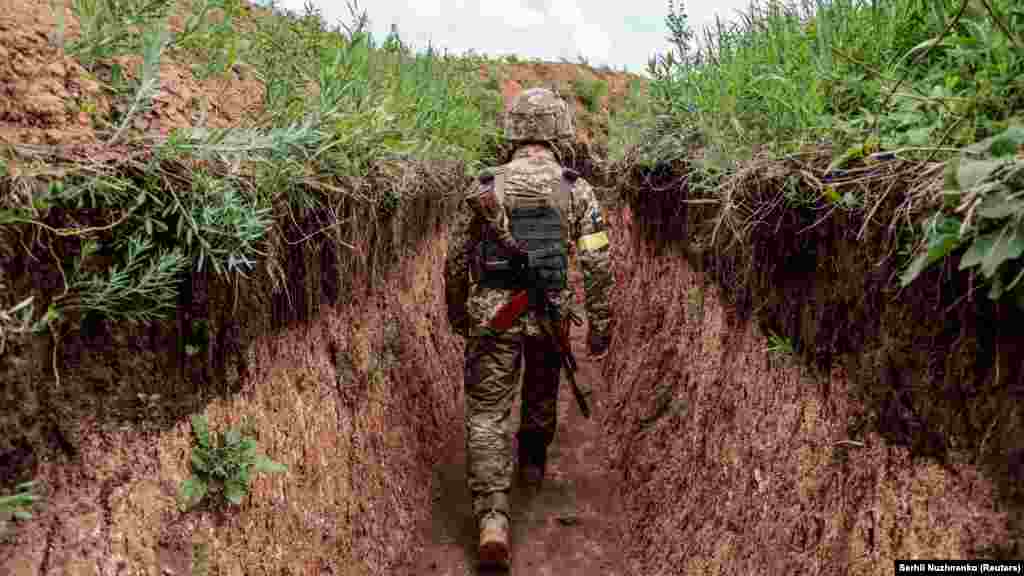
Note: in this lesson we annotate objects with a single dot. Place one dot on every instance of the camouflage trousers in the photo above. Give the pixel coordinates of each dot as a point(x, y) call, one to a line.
point(492, 370)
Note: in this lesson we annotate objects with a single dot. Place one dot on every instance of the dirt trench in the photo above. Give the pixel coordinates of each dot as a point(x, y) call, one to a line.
point(738, 458)
point(712, 453)
point(568, 526)
point(708, 454)
point(356, 402)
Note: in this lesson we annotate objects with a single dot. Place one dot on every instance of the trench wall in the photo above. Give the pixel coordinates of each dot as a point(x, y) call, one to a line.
point(737, 456)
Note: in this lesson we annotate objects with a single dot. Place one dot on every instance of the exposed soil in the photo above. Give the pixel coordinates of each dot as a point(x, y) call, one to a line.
point(47, 97)
point(357, 403)
point(740, 460)
point(708, 453)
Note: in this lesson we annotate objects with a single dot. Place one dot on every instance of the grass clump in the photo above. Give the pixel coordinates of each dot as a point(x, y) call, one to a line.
point(590, 91)
point(641, 133)
point(909, 72)
point(17, 505)
point(340, 113)
point(215, 45)
point(423, 104)
point(110, 28)
point(851, 107)
point(222, 466)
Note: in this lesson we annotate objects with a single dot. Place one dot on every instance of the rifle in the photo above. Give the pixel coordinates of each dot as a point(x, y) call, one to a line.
point(516, 307)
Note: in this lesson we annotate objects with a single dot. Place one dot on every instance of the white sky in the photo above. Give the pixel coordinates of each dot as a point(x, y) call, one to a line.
point(618, 33)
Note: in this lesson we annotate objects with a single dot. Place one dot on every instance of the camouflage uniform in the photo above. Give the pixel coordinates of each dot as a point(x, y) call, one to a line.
point(493, 359)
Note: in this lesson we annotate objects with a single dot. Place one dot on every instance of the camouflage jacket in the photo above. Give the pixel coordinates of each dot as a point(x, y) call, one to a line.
point(470, 306)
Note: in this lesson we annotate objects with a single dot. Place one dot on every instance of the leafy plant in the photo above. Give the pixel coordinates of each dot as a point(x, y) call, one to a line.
point(216, 44)
point(680, 33)
point(220, 225)
point(987, 186)
point(590, 91)
point(141, 289)
point(942, 235)
point(109, 28)
point(153, 42)
point(780, 345)
point(222, 466)
point(17, 505)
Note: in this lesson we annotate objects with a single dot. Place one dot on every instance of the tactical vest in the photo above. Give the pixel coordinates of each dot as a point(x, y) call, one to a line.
point(538, 229)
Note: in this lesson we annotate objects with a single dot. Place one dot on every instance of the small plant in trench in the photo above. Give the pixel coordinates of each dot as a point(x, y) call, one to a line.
point(780, 345)
point(590, 91)
point(222, 466)
point(17, 505)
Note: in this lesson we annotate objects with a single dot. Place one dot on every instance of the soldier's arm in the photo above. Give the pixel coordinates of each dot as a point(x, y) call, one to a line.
point(462, 238)
point(594, 255)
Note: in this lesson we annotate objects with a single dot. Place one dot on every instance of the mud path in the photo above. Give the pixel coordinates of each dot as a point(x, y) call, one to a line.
point(567, 527)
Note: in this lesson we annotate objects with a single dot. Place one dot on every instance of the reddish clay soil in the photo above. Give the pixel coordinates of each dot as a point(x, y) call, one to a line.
point(47, 97)
point(568, 527)
point(737, 460)
point(357, 403)
point(708, 454)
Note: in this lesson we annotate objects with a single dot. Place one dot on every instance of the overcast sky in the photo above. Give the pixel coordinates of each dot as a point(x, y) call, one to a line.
point(618, 33)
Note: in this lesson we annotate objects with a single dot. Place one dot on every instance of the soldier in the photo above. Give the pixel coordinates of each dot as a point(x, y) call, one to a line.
point(514, 237)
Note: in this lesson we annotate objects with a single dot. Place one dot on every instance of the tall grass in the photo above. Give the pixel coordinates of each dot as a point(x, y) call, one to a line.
point(922, 80)
point(336, 104)
point(909, 72)
point(380, 99)
point(590, 90)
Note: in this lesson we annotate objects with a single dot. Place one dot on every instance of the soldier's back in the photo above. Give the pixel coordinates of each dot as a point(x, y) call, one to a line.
point(529, 179)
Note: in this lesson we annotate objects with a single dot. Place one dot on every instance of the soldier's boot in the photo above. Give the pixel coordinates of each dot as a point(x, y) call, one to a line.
point(532, 459)
point(494, 550)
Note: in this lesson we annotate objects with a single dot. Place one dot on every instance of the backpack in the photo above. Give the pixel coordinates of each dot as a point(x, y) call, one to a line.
point(537, 226)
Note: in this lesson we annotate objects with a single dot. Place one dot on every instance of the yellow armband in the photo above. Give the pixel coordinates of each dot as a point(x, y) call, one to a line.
point(594, 241)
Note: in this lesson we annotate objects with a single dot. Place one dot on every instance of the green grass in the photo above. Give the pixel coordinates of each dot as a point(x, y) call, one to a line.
point(780, 345)
point(17, 505)
point(590, 90)
point(420, 104)
point(910, 72)
point(336, 105)
point(861, 81)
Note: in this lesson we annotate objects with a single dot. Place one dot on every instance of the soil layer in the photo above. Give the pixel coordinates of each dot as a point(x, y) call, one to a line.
point(356, 403)
point(736, 459)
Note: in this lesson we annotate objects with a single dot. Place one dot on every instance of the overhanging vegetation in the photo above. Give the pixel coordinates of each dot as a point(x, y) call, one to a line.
point(348, 132)
point(849, 173)
point(857, 103)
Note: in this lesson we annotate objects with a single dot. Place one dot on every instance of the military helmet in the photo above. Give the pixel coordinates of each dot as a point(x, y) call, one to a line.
point(539, 115)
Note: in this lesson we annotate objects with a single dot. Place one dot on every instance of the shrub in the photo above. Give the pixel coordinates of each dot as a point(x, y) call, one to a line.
point(590, 91)
point(17, 505)
point(222, 466)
